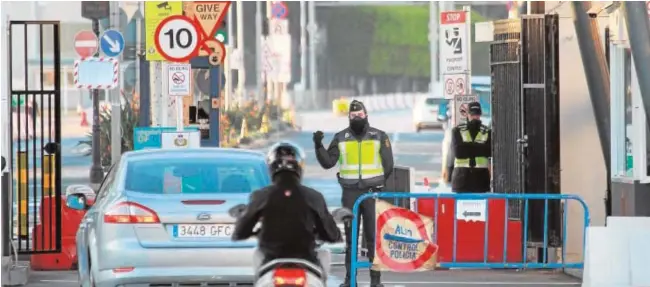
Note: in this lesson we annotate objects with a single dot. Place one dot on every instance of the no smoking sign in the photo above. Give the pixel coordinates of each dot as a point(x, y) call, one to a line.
point(179, 76)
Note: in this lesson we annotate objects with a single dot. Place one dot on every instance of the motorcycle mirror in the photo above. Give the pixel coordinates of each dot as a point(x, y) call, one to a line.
point(237, 210)
point(342, 214)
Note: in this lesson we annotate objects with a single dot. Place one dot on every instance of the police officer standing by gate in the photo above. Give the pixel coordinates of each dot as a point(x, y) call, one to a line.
point(366, 161)
point(471, 146)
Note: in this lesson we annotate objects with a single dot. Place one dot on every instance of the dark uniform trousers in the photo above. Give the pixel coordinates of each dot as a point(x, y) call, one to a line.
point(367, 214)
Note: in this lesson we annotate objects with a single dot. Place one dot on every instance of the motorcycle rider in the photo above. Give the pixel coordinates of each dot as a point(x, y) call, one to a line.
point(366, 161)
point(293, 216)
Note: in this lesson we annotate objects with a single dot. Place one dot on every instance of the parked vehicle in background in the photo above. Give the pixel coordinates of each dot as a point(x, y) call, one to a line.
point(430, 113)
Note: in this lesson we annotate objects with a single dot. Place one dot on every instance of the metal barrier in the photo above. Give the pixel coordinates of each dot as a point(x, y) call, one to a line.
point(437, 197)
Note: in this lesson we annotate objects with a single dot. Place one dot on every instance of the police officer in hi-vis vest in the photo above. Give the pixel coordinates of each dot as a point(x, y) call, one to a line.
point(365, 161)
point(471, 145)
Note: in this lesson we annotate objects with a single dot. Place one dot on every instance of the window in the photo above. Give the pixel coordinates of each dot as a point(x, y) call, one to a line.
point(629, 132)
point(195, 175)
point(435, 101)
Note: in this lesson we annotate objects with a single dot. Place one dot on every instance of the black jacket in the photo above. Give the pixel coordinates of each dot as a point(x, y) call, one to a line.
point(330, 157)
point(470, 179)
point(293, 216)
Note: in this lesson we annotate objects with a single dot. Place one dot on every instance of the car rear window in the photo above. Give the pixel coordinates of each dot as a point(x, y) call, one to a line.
point(186, 175)
point(435, 102)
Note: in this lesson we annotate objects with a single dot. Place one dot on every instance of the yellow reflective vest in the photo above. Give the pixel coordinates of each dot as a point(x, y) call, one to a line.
point(481, 138)
point(360, 160)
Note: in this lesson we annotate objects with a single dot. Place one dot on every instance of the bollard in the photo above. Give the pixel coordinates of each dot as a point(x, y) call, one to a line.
point(23, 185)
point(244, 129)
point(264, 127)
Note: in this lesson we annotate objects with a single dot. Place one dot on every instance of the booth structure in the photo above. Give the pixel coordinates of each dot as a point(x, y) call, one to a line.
point(629, 128)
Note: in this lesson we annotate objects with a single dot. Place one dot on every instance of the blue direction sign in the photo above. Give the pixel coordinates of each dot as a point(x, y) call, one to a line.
point(112, 43)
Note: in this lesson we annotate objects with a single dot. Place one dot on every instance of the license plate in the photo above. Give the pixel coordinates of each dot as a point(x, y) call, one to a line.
point(203, 230)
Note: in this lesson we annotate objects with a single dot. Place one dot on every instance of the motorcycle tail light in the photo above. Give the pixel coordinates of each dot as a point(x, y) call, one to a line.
point(289, 277)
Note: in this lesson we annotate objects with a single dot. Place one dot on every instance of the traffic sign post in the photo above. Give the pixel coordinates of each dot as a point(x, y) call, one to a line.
point(180, 79)
point(155, 13)
point(179, 84)
point(455, 62)
point(85, 44)
point(112, 43)
point(177, 39)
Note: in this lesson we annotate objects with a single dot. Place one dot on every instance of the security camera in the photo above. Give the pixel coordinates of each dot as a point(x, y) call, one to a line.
point(594, 11)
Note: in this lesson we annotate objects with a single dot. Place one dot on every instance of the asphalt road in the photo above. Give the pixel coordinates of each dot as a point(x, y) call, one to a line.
point(458, 278)
point(419, 150)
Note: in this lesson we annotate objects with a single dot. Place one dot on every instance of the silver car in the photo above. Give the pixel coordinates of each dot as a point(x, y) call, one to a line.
point(161, 217)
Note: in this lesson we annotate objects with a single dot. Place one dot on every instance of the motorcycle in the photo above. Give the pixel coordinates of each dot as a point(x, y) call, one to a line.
point(293, 272)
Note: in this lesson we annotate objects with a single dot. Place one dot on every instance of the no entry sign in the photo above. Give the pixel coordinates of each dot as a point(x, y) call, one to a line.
point(180, 79)
point(85, 44)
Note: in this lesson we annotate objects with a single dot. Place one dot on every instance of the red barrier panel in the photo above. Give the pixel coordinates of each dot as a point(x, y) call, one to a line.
point(470, 235)
point(44, 237)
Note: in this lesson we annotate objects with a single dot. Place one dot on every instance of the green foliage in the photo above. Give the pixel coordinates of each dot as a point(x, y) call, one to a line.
point(390, 40)
point(129, 121)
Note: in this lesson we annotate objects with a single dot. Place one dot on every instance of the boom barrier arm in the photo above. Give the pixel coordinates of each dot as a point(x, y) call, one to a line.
point(355, 264)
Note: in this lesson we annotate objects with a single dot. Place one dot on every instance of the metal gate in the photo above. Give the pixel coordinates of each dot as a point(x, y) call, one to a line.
point(525, 100)
point(35, 127)
point(541, 123)
point(507, 133)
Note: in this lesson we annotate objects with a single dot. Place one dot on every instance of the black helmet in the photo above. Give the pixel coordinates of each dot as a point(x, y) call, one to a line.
point(285, 156)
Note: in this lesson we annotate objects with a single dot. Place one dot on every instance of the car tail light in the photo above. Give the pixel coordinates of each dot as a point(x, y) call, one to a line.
point(123, 269)
point(289, 277)
point(130, 212)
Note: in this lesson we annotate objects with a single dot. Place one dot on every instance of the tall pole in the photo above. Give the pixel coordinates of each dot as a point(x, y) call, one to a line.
point(138, 49)
point(303, 44)
point(116, 109)
point(270, 84)
point(96, 171)
point(6, 137)
point(231, 46)
point(241, 72)
point(258, 45)
point(312, 28)
point(433, 45)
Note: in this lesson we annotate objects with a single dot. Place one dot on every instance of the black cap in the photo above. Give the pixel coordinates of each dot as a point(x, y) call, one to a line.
point(356, 106)
point(474, 108)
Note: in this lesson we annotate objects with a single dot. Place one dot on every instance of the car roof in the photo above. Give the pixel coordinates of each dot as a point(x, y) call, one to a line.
point(220, 153)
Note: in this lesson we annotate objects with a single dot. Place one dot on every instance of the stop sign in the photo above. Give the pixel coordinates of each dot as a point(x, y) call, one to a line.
point(85, 44)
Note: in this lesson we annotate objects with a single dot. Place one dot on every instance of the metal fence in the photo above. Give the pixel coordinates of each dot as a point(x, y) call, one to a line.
point(36, 139)
point(485, 261)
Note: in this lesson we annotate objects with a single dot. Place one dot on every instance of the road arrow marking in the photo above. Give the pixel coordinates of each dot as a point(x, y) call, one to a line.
point(115, 45)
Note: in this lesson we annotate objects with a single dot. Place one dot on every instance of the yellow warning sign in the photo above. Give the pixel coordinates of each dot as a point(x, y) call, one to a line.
point(154, 13)
point(209, 15)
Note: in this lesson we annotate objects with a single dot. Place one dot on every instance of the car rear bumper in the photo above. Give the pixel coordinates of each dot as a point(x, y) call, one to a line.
point(430, 124)
point(175, 276)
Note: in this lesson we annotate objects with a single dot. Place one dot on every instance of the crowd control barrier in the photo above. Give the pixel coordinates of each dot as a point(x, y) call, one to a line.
point(446, 235)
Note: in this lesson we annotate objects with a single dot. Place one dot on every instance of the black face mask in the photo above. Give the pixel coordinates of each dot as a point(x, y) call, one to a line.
point(357, 124)
point(474, 123)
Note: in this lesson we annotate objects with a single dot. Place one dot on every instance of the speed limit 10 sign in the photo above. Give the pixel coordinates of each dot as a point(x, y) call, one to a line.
point(177, 38)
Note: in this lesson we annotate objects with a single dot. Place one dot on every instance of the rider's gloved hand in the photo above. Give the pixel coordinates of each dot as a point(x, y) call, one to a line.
point(318, 138)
